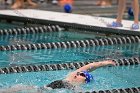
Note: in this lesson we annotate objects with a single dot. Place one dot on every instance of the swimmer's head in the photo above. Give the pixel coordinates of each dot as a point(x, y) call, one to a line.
point(88, 76)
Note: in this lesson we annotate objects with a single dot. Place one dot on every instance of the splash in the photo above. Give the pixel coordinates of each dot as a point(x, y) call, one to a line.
point(17, 58)
point(18, 42)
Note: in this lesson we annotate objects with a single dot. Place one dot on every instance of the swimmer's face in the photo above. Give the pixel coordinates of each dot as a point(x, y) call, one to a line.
point(79, 77)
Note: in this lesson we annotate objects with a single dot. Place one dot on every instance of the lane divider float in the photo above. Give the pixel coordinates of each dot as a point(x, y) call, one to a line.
point(67, 66)
point(30, 30)
point(73, 44)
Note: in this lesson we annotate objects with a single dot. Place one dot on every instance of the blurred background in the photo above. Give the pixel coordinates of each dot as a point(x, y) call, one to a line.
point(92, 7)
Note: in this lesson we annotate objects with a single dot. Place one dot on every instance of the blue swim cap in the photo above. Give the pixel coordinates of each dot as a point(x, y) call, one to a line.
point(89, 77)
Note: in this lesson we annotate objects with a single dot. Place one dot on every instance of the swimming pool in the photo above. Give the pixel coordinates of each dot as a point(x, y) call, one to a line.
point(105, 78)
point(40, 58)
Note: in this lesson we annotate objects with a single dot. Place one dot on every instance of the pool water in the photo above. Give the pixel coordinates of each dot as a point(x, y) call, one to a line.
point(52, 56)
point(104, 78)
point(4, 25)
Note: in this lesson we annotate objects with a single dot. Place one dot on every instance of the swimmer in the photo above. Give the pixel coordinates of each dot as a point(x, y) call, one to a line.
point(80, 76)
point(121, 9)
point(76, 78)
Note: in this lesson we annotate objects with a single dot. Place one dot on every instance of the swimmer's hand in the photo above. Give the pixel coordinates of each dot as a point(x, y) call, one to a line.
point(109, 62)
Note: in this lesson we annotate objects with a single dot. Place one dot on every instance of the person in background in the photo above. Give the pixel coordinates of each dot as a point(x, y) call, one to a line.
point(121, 9)
point(104, 3)
point(20, 4)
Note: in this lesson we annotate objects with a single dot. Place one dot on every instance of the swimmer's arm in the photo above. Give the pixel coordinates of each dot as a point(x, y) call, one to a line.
point(92, 66)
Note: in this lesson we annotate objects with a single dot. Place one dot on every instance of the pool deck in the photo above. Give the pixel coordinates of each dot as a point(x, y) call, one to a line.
point(77, 20)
